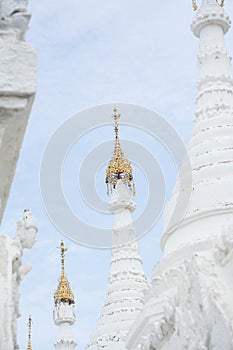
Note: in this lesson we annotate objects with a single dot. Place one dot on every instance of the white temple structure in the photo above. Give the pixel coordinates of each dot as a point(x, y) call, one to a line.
point(188, 303)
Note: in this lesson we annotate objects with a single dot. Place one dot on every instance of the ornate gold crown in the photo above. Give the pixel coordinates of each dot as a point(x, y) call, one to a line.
point(29, 333)
point(63, 291)
point(119, 167)
point(195, 7)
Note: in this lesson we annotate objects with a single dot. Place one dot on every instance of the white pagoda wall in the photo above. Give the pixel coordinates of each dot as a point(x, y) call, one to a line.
point(17, 88)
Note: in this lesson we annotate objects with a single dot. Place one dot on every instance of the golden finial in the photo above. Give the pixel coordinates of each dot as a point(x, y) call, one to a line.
point(63, 250)
point(222, 3)
point(29, 333)
point(119, 167)
point(194, 5)
point(116, 117)
point(63, 291)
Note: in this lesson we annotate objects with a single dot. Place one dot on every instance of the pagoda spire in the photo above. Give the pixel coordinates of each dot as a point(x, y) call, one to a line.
point(29, 347)
point(63, 291)
point(127, 281)
point(211, 146)
point(119, 167)
point(63, 313)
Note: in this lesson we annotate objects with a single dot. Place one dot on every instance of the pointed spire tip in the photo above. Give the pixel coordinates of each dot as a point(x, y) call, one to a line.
point(29, 347)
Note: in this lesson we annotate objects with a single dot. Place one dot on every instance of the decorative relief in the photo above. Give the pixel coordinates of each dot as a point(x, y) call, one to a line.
point(12, 272)
point(14, 18)
point(224, 247)
point(195, 309)
point(210, 13)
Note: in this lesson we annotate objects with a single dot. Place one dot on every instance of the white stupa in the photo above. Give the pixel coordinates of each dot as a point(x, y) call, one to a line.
point(126, 280)
point(189, 304)
point(210, 149)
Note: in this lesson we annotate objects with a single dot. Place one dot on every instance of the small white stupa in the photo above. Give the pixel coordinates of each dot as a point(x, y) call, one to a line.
point(63, 313)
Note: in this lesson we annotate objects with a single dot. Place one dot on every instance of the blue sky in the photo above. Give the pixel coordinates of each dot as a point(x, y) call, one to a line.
point(91, 53)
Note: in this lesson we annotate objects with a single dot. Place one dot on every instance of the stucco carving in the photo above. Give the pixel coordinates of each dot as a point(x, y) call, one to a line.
point(14, 18)
point(224, 246)
point(11, 274)
point(197, 308)
point(17, 88)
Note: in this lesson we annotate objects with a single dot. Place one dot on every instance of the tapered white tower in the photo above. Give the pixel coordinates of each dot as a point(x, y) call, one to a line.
point(126, 280)
point(211, 147)
point(189, 302)
point(63, 313)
